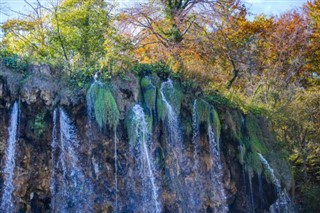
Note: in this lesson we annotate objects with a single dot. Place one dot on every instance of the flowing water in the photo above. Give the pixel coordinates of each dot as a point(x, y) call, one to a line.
point(195, 134)
point(251, 194)
point(175, 146)
point(150, 195)
point(283, 201)
point(196, 189)
point(172, 117)
point(71, 190)
point(217, 174)
point(9, 162)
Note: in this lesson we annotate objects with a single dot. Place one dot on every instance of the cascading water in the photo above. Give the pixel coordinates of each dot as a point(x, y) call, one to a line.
point(7, 204)
point(251, 193)
point(283, 201)
point(195, 191)
point(216, 173)
point(195, 134)
point(172, 117)
point(70, 189)
point(175, 144)
point(140, 150)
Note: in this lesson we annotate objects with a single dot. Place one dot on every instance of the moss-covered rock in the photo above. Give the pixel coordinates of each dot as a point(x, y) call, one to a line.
point(149, 93)
point(105, 109)
point(254, 138)
point(203, 110)
point(216, 124)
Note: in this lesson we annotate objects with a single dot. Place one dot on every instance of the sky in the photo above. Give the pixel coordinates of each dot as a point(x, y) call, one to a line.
point(269, 7)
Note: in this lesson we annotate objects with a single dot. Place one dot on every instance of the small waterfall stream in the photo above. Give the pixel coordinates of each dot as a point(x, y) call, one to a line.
point(282, 203)
point(175, 147)
point(150, 195)
point(70, 189)
point(251, 194)
point(172, 117)
point(216, 173)
point(195, 191)
point(9, 162)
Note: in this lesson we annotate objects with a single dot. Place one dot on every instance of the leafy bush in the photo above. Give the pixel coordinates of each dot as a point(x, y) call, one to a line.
point(13, 61)
point(162, 70)
point(311, 198)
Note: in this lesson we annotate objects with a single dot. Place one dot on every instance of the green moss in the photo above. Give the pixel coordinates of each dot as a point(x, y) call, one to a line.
point(174, 96)
point(144, 83)
point(203, 111)
point(253, 163)
point(187, 125)
point(216, 124)
point(161, 108)
point(149, 93)
point(254, 140)
point(104, 106)
point(131, 128)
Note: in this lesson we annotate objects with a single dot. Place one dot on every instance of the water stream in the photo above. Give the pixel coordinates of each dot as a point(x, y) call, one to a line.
point(216, 173)
point(175, 147)
point(141, 151)
point(283, 201)
point(9, 162)
point(71, 190)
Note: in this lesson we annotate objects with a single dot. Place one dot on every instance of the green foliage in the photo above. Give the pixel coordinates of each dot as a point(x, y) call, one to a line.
point(311, 198)
point(13, 61)
point(220, 100)
point(159, 68)
point(38, 124)
point(104, 106)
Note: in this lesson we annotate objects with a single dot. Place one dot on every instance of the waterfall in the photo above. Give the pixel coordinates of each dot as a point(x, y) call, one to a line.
point(7, 204)
point(251, 194)
point(195, 134)
point(172, 117)
point(217, 173)
point(195, 191)
point(175, 146)
point(283, 201)
point(70, 189)
point(150, 196)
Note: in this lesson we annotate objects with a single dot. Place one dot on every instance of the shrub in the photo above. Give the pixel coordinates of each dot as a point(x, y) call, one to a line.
point(13, 61)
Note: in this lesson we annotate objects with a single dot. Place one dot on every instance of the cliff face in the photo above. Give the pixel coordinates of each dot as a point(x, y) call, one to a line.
point(184, 173)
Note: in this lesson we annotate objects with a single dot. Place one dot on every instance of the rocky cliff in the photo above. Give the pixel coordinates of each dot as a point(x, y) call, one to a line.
point(206, 160)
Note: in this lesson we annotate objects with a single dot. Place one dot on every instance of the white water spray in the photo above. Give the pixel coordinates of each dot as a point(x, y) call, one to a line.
point(7, 204)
